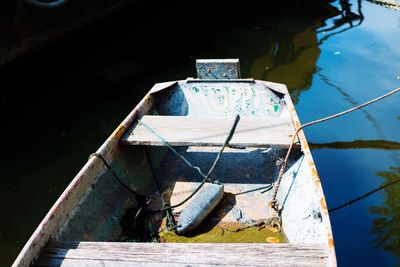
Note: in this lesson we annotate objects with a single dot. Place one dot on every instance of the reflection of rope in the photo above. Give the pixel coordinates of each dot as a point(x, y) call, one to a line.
point(348, 203)
point(274, 202)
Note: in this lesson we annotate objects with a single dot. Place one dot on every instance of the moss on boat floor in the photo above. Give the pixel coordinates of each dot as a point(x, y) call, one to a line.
point(208, 232)
point(220, 234)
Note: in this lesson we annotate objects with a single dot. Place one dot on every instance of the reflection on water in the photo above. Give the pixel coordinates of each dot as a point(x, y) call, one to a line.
point(346, 18)
point(293, 53)
point(347, 97)
point(358, 144)
point(97, 77)
point(386, 225)
point(363, 196)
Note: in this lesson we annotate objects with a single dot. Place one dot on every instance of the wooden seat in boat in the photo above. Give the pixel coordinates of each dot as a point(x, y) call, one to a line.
point(211, 131)
point(182, 254)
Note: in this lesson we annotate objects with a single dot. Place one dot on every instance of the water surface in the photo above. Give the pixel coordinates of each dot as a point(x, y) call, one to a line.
point(59, 105)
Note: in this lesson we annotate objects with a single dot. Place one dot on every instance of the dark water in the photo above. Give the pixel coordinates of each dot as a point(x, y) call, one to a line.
point(59, 105)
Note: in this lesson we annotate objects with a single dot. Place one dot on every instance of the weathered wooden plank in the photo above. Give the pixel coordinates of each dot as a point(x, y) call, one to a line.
point(182, 254)
point(211, 131)
point(96, 263)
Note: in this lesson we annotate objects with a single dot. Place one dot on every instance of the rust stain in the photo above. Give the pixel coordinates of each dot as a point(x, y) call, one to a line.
point(323, 204)
point(314, 173)
point(311, 163)
point(120, 129)
point(317, 183)
point(331, 243)
point(305, 146)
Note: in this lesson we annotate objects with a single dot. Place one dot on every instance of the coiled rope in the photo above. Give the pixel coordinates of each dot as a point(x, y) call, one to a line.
point(274, 203)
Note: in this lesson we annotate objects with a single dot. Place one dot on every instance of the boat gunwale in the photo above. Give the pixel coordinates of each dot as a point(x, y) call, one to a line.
point(310, 161)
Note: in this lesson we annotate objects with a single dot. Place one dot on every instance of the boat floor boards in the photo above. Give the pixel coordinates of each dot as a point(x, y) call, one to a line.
point(181, 254)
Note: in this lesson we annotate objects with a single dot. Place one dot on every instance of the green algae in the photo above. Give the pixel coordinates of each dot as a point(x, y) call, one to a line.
point(225, 233)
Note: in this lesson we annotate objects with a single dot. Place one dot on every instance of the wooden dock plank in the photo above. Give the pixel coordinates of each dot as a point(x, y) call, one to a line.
point(182, 254)
point(211, 131)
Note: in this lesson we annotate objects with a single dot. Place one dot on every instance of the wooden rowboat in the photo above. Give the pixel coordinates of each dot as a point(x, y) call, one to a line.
point(89, 222)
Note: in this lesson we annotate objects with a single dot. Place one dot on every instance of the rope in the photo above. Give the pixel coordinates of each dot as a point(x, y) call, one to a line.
point(206, 177)
point(165, 142)
point(142, 200)
point(273, 202)
point(170, 217)
point(154, 176)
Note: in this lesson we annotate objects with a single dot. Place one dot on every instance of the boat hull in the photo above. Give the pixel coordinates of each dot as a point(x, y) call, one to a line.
point(91, 207)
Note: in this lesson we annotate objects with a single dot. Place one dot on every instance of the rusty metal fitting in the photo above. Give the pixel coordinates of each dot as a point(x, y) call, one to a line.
point(273, 206)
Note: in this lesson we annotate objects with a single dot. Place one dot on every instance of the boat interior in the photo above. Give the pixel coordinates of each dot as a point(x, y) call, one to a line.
point(247, 168)
point(130, 204)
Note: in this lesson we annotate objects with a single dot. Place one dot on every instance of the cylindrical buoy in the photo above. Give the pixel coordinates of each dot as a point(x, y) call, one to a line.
point(201, 205)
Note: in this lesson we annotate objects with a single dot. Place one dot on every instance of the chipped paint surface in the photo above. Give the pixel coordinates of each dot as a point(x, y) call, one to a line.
point(316, 179)
point(221, 99)
point(301, 212)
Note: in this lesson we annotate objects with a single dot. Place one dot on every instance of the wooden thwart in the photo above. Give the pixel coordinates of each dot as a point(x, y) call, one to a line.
point(182, 254)
point(211, 131)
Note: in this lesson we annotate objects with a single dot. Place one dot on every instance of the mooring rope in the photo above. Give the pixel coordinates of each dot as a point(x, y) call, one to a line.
point(142, 200)
point(205, 177)
point(170, 218)
point(274, 202)
point(179, 155)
